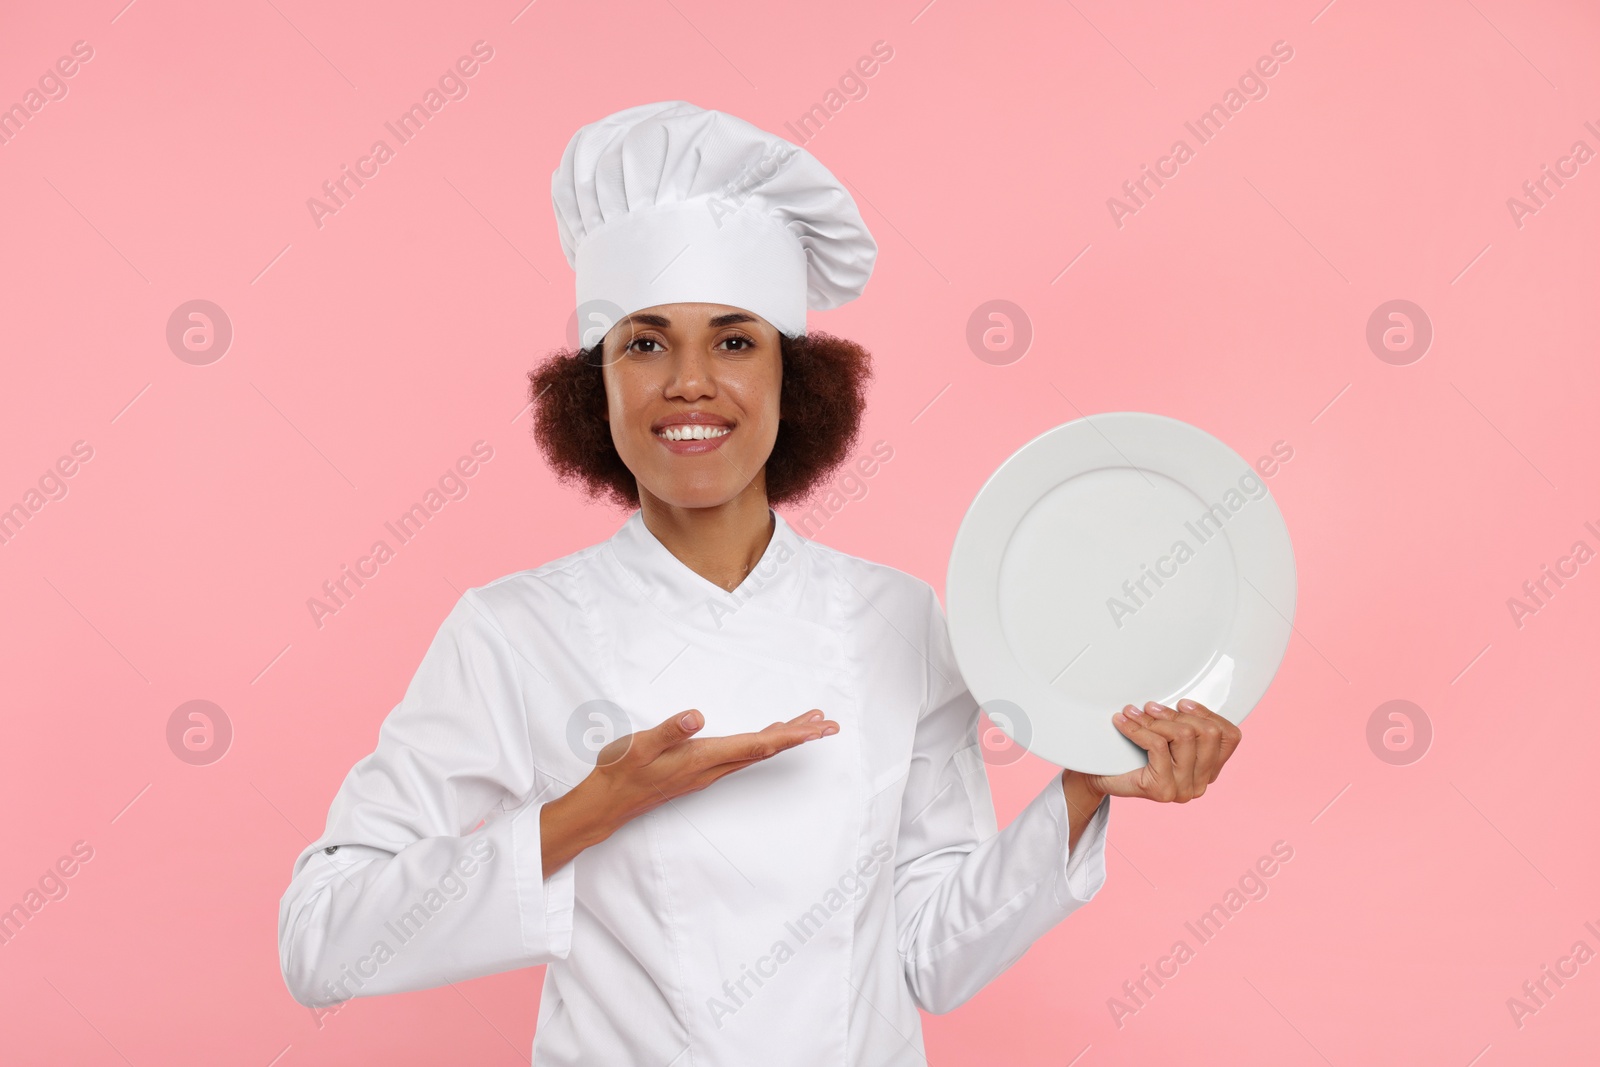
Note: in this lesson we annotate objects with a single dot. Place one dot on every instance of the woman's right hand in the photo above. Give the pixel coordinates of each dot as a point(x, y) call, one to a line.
point(645, 769)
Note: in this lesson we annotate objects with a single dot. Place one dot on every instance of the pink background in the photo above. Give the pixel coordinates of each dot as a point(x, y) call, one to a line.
point(370, 353)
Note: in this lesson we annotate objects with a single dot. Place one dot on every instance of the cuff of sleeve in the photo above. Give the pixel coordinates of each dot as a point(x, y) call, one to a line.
point(545, 904)
point(1084, 868)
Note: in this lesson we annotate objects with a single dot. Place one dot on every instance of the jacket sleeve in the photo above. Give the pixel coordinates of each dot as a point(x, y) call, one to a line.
point(404, 891)
point(971, 899)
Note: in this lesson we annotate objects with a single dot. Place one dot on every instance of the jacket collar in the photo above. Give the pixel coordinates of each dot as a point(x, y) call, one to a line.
point(774, 582)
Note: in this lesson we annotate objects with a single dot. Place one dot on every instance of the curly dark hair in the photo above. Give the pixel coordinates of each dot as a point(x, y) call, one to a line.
point(823, 396)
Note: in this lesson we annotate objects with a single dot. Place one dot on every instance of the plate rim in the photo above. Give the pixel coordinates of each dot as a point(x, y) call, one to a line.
point(1268, 529)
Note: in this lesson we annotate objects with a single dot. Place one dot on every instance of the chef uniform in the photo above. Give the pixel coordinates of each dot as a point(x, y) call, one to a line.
point(797, 911)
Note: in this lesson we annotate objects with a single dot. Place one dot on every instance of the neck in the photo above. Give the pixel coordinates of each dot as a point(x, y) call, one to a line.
point(721, 543)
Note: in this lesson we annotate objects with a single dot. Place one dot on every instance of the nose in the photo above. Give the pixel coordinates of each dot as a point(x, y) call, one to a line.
point(691, 375)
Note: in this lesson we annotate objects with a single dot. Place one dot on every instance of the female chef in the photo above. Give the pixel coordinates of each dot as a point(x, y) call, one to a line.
point(724, 781)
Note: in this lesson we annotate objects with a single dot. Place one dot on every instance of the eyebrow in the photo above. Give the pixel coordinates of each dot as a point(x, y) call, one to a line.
point(645, 318)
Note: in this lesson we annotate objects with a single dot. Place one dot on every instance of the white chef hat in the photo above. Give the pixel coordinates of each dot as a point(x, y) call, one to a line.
point(668, 202)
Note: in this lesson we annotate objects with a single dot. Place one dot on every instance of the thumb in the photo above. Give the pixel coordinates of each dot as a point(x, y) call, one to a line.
point(675, 730)
point(648, 744)
point(1117, 785)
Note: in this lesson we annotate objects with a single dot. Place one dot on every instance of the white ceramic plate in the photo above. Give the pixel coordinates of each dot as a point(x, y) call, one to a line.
point(1116, 559)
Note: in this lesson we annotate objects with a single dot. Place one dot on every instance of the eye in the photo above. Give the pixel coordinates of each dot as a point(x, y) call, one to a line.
point(744, 343)
point(642, 341)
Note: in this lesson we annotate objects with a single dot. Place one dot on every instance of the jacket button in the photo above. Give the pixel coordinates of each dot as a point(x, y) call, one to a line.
point(330, 850)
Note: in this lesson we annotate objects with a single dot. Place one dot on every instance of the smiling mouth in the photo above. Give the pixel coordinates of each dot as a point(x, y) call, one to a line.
point(692, 432)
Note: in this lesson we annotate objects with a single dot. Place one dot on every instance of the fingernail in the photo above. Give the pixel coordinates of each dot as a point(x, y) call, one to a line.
point(1155, 709)
point(814, 716)
point(1186, 704)
point(1120, 717)
point(826, 730)
point(1132, 711)
point(687, 721)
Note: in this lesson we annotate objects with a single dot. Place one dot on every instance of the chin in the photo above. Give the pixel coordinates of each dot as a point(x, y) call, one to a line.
point(690, 495)
point(679, 485)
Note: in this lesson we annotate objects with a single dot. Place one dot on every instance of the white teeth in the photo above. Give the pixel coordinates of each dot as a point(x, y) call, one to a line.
point(690, 432)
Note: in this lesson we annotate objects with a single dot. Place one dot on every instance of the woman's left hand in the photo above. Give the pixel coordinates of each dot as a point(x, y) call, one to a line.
point(1187, 745)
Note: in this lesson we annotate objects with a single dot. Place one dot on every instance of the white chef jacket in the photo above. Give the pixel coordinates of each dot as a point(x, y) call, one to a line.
point(797, 911)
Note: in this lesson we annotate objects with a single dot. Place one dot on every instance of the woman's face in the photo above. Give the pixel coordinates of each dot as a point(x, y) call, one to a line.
point(692, 395)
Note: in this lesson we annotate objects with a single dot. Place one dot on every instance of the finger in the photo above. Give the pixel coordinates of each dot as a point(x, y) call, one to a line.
point(675, 730)
point(1183, 740)
point(722, 770)
point(1135, 726)
point(752, 747)
point(1185, 745)
point(814, 715)
point(1231, 734)
point(1207, 752)
point(777, 741)
point(813, 720)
